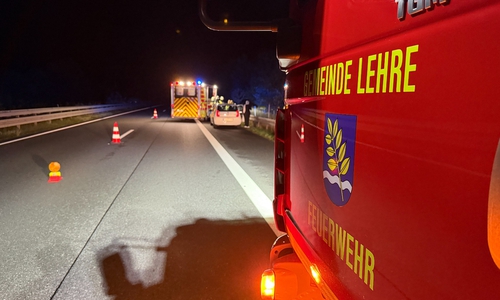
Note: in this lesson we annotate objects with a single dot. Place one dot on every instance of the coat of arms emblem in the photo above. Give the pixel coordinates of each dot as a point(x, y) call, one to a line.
point(338, 157)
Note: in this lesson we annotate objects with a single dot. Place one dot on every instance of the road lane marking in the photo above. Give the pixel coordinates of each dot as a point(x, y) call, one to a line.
point(69, 126)
point(126, 133)
point(257, 196)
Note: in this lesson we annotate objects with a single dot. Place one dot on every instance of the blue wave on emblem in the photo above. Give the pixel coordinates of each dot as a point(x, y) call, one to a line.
point(334, 179)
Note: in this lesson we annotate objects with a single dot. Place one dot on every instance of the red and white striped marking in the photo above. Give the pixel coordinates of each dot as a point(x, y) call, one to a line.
point(116, 134)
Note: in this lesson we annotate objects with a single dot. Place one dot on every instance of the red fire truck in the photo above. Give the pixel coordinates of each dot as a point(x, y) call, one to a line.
point(387, 155)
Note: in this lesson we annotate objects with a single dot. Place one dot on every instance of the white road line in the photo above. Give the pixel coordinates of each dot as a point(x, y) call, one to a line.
point(256, 195)
point(70, 126)
point(126, 133)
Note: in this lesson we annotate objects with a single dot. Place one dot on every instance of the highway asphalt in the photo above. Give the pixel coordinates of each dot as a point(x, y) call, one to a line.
point(158, 216)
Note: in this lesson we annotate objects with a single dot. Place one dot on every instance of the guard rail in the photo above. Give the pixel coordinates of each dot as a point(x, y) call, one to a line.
point(261, 122)
point(18, 117)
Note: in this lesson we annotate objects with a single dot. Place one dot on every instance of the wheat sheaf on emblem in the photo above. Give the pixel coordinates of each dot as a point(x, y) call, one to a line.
point(336, 151)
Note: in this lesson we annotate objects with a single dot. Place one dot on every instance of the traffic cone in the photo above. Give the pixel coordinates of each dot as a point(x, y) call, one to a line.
point(302, 134)
point(155, 114)
point(54, 175)
point(116, 134)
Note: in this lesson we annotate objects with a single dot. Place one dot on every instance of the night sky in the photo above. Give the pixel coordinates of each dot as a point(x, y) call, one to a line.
point(134, 47)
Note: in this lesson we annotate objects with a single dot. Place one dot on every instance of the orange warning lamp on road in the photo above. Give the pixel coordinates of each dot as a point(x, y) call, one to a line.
point(55, 174)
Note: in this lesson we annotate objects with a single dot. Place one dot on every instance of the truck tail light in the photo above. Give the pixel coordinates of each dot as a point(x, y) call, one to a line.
point(217, 113)
point(237, 113)
point(267, 285)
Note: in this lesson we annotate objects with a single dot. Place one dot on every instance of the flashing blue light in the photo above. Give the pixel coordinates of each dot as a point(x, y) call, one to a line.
point(199, 82)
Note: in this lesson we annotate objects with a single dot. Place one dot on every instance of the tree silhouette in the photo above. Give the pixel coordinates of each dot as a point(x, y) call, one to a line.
point(257, 78)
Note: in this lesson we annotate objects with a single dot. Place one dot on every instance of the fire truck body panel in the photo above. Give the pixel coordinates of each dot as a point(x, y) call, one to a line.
point(384, 163)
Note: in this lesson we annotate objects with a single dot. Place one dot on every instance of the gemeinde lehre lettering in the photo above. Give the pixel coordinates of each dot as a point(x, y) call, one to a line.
point(387, 72)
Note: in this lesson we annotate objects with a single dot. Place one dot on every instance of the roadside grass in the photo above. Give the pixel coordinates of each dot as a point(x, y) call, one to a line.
point(10, 133)
point(265, 133)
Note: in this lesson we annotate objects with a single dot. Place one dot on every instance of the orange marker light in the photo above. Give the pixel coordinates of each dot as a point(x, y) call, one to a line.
point(267, 285)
